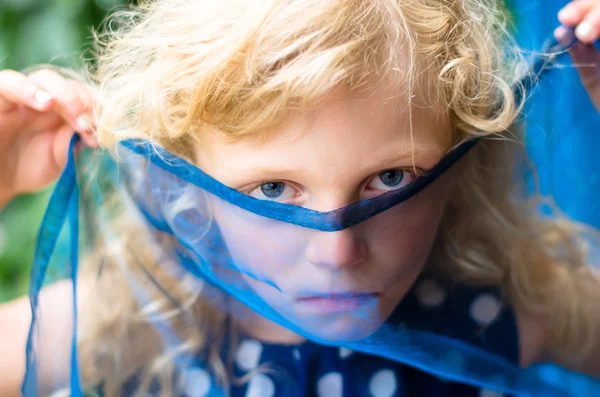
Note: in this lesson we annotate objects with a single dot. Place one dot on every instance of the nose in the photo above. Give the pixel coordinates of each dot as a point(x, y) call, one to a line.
point(338, 250)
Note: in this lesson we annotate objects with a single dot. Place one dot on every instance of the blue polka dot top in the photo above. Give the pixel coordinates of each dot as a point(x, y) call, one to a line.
point(474, 315)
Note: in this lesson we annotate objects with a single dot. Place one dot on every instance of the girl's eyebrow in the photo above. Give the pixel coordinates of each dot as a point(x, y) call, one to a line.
point(420, 157)
point(265, 173)
point(424, 158)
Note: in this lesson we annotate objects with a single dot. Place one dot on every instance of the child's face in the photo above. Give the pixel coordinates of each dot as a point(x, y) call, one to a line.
point(345, 284)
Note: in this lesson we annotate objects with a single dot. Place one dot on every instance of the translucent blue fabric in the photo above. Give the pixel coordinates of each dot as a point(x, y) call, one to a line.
point(562, 125)
point(252, 251)
point(311, 369)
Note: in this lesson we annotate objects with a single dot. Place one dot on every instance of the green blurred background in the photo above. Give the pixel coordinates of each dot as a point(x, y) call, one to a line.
point(34, 32)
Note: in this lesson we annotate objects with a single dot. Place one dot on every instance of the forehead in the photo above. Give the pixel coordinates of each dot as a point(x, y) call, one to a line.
point(346, 128)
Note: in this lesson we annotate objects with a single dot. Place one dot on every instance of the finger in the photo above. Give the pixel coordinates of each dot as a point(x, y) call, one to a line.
point(565, 36)
point(16, 89)
point(61, 146)
point(40, 121)
point(587, 60)
point(588, 30)
point(68, 103)
point(573, 13)
point(49, 148)
point(86, 120)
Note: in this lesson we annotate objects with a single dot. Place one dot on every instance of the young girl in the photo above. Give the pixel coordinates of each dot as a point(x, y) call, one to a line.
point(315, 106)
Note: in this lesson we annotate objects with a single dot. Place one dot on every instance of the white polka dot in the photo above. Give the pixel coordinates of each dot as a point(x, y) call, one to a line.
point(345, 352)
point(2, 240)
point(248, 354)
point(196, 382)
point(430, 293)
point(260, 386)
point(489, 393)
point(383, 383)
point(330, 385)
point(484, 309)
point(296, 354)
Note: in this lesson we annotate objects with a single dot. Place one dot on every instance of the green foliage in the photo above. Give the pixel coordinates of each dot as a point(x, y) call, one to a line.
point(38, 32)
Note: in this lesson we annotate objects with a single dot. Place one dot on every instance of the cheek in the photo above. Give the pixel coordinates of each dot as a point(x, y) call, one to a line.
point(255, 252)
point(404, 235)
point(400, 242)
point(261, 246)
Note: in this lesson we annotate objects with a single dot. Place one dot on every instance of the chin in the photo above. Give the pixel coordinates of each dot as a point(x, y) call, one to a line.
point(337, 326)
point(345, 331)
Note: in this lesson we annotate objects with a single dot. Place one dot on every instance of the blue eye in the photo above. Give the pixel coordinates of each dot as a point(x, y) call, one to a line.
point(274, 191)
point(391, 180)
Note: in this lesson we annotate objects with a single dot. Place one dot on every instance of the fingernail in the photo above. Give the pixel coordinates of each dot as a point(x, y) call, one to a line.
point(560, 33)
point(565, 13)
point(82, 123)
point(584, 31)
point(42, 97)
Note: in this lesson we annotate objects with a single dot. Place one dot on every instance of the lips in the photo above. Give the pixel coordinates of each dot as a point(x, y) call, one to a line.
point(331, 303)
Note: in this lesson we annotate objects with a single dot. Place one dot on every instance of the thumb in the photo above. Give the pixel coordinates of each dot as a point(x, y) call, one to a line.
point(586, 59)
point(61, 146)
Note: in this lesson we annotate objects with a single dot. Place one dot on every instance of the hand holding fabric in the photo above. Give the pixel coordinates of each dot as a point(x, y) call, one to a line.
point(584, 16)
point(38, 115)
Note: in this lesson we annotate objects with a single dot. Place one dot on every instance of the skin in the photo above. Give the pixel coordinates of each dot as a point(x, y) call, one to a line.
point(38, 115)
point(33, 146)
point(584, 16)
point(34, 137)
point(380, 256)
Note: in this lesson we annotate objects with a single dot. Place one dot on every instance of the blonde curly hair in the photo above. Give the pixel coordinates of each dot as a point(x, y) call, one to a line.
point(171, 70)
